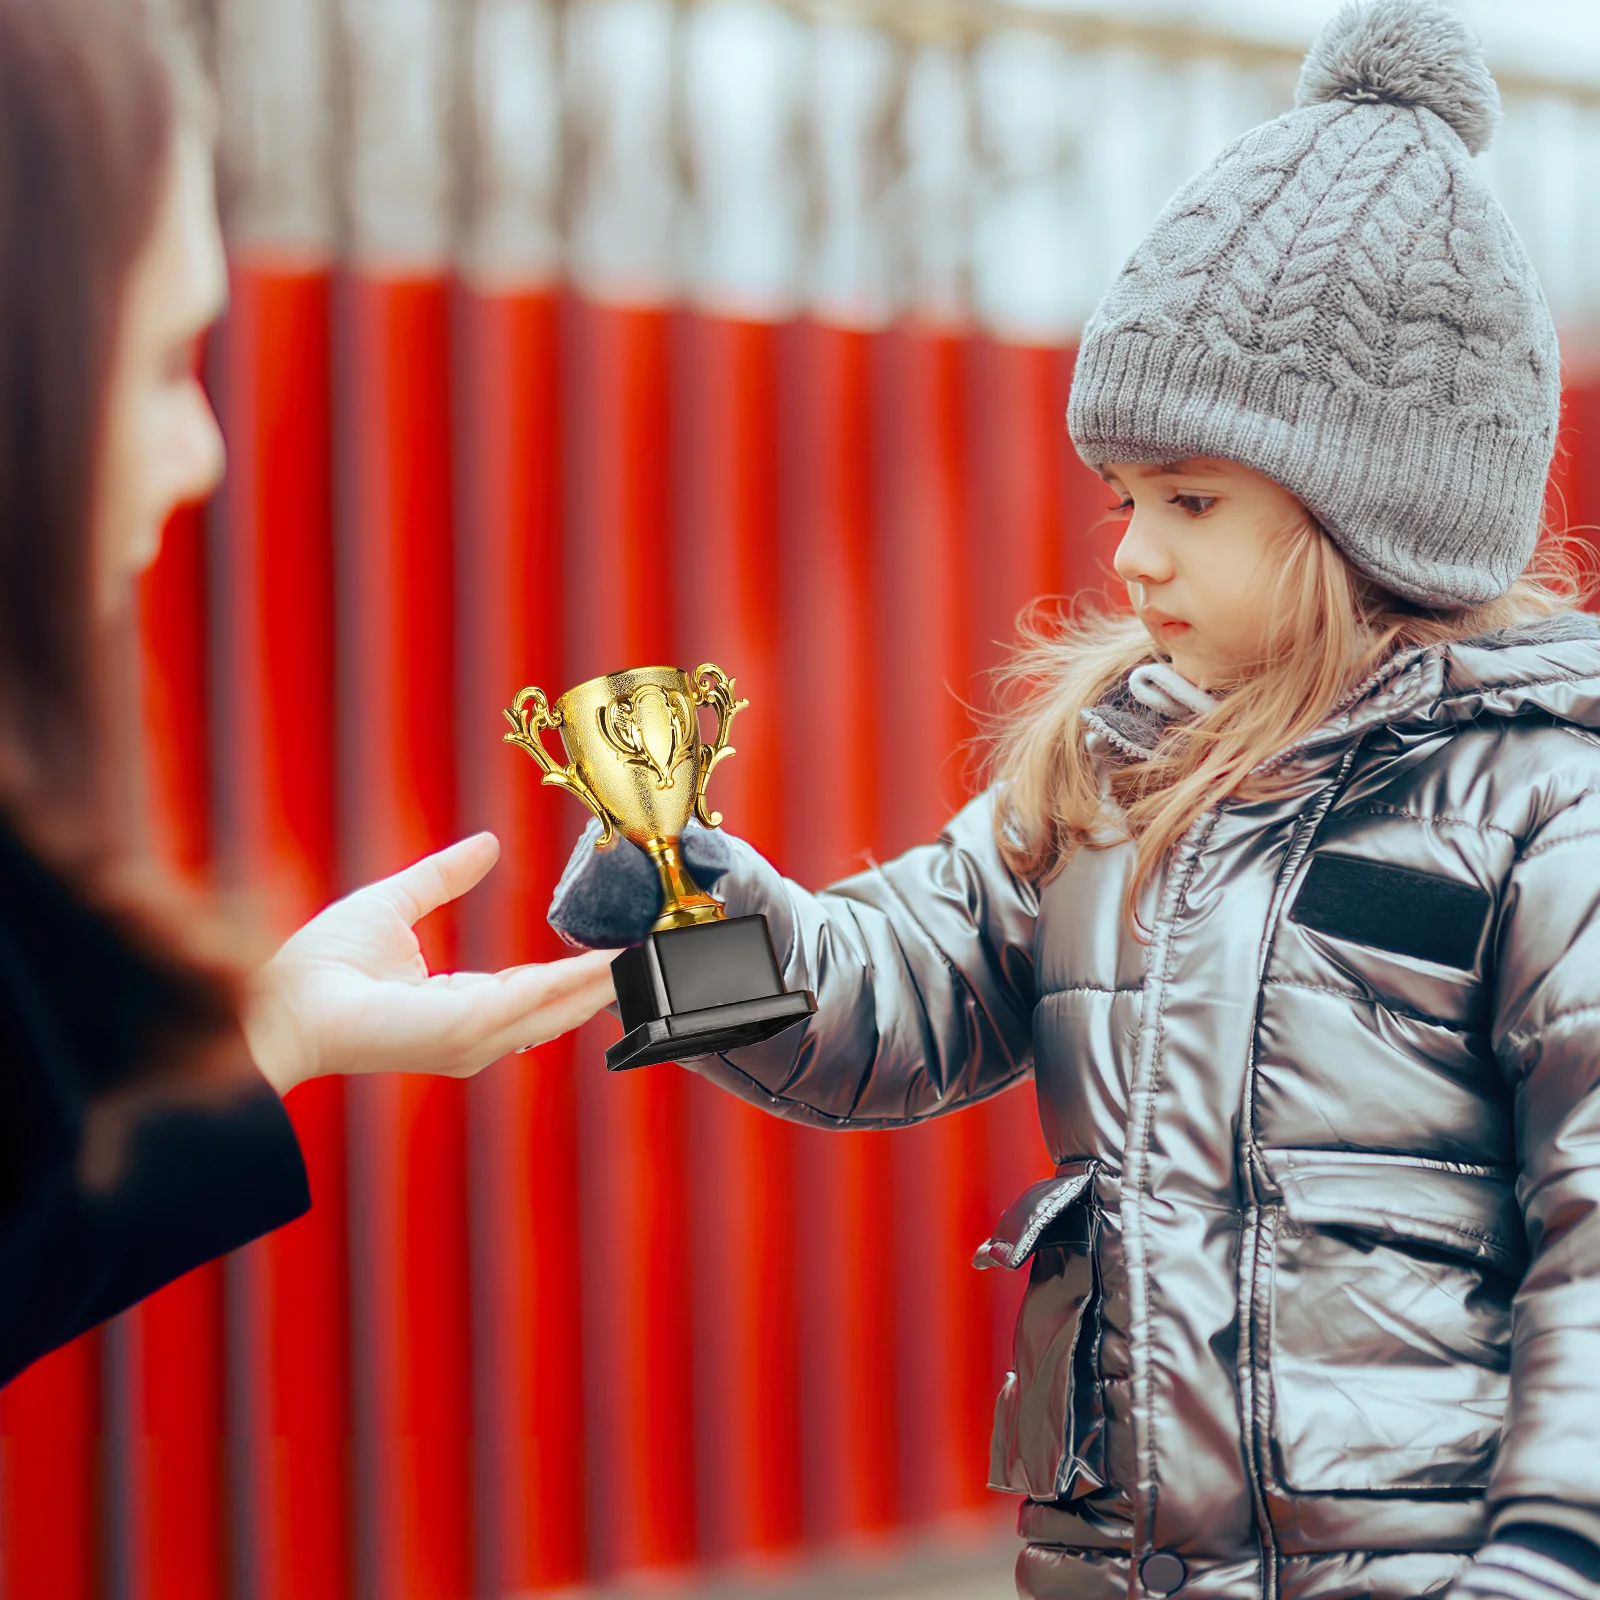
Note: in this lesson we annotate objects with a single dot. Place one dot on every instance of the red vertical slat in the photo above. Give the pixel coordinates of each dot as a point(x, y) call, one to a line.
point(530, 1499)
point(1574, 505)
point(831, 715)
point(176, 684)
point(1563, 487)
point(51, 1459)
point(1040, 530)
point(177, 1470)
point(731, 611)
point(639, 1373)
point(279, 771)
point(411, 1272)
point(1018, 532)
point(925, 619)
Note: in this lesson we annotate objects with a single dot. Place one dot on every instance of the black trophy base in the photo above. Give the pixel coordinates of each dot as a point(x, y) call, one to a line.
point(695, 991)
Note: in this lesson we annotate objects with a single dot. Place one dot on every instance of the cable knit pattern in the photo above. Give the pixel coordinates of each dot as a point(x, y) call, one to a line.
point(1339, 302)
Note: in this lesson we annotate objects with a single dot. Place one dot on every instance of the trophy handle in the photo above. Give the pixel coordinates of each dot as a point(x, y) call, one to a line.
point(529, 716)
point(714, 688)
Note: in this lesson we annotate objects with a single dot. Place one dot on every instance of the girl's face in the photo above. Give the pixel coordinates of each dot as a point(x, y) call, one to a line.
point(1197, 559)
point(161, 447)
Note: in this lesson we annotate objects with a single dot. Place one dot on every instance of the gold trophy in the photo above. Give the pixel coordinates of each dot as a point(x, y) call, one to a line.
point(701, 981)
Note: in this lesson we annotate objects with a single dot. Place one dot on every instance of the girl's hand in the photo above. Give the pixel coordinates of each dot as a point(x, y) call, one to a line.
point(351, 992)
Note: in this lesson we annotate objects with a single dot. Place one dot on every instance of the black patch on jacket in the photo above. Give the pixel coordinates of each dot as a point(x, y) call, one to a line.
point(1398, 909)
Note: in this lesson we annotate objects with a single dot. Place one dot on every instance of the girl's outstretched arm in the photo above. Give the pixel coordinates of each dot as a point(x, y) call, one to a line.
point(924, 977)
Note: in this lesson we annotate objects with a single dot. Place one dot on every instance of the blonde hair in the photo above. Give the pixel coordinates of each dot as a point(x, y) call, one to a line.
point(1330, 629)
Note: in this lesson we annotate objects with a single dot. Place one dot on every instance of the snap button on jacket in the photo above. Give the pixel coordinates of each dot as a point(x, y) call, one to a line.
point(1314, 1140)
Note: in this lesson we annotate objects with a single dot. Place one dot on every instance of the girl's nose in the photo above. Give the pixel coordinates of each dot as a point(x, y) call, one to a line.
point(1141, 558)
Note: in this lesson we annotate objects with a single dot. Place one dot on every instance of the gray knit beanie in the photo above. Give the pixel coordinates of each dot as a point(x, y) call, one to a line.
point(1339, 302)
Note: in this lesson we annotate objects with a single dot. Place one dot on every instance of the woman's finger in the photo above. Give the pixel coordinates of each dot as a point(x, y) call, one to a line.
point(542, 1002)
point(457, 1023)
point(436, 880)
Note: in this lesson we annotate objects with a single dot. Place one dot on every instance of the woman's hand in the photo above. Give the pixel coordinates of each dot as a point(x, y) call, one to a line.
point(350, 992)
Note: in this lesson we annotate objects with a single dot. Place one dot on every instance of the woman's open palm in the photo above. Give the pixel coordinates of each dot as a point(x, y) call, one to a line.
point(351, 991)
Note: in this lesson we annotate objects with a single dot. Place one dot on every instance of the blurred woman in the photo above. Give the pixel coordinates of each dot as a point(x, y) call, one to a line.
point(141, 1064)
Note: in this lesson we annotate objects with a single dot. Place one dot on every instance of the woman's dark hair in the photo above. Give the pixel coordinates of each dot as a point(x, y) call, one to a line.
point(86, 121)
point(88, 110)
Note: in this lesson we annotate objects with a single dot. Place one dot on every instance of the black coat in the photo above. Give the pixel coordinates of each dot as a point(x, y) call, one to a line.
point(131, 1147)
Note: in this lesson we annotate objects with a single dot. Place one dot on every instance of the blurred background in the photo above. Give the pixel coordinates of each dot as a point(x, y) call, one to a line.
point(572, 336)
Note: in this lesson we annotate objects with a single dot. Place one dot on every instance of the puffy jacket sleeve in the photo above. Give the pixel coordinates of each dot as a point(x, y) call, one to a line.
point(924, 978)
point(1547, 1038)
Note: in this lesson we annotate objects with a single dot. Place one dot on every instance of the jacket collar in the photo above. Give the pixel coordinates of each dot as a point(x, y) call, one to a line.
point(1550, 668)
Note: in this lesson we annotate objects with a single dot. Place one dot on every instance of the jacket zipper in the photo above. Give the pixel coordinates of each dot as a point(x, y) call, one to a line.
point(1261, 1222)
point(1255, 1273)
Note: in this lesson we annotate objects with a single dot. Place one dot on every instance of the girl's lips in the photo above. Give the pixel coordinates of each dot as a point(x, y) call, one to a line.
point(1161, 625)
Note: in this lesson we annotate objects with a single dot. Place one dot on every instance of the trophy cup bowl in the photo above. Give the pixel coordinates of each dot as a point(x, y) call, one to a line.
point(701, 981)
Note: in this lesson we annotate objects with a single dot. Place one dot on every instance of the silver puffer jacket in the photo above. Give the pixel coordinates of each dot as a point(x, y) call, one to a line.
point(1314, 1292)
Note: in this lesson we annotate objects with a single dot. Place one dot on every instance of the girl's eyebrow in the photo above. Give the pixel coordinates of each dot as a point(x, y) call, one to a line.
point(1199, 469)
point(1168, 469)
point(1195, 468)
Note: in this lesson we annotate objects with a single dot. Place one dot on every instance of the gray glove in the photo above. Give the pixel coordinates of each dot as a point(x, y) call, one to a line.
point(609, 898)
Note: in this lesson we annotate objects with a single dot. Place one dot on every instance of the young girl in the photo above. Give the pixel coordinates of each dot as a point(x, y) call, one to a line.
point(1287, 894)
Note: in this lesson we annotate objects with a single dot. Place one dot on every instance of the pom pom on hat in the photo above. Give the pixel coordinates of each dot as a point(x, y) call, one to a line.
point(1405, 53)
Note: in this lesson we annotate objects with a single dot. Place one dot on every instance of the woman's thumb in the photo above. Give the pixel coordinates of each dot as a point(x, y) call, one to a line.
point(435, 880)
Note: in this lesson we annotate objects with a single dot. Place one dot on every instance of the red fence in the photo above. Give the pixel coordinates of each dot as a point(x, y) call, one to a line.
point(554, 1326)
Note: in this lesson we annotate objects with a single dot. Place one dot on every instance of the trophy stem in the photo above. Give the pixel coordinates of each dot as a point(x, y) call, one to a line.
point(684, 903)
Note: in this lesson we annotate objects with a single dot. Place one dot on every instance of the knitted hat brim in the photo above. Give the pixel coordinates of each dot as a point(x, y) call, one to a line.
point(1361, 464)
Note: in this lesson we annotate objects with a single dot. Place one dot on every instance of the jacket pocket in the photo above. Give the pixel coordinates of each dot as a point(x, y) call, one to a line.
point(1048, 1419)
point(1389, 1332)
